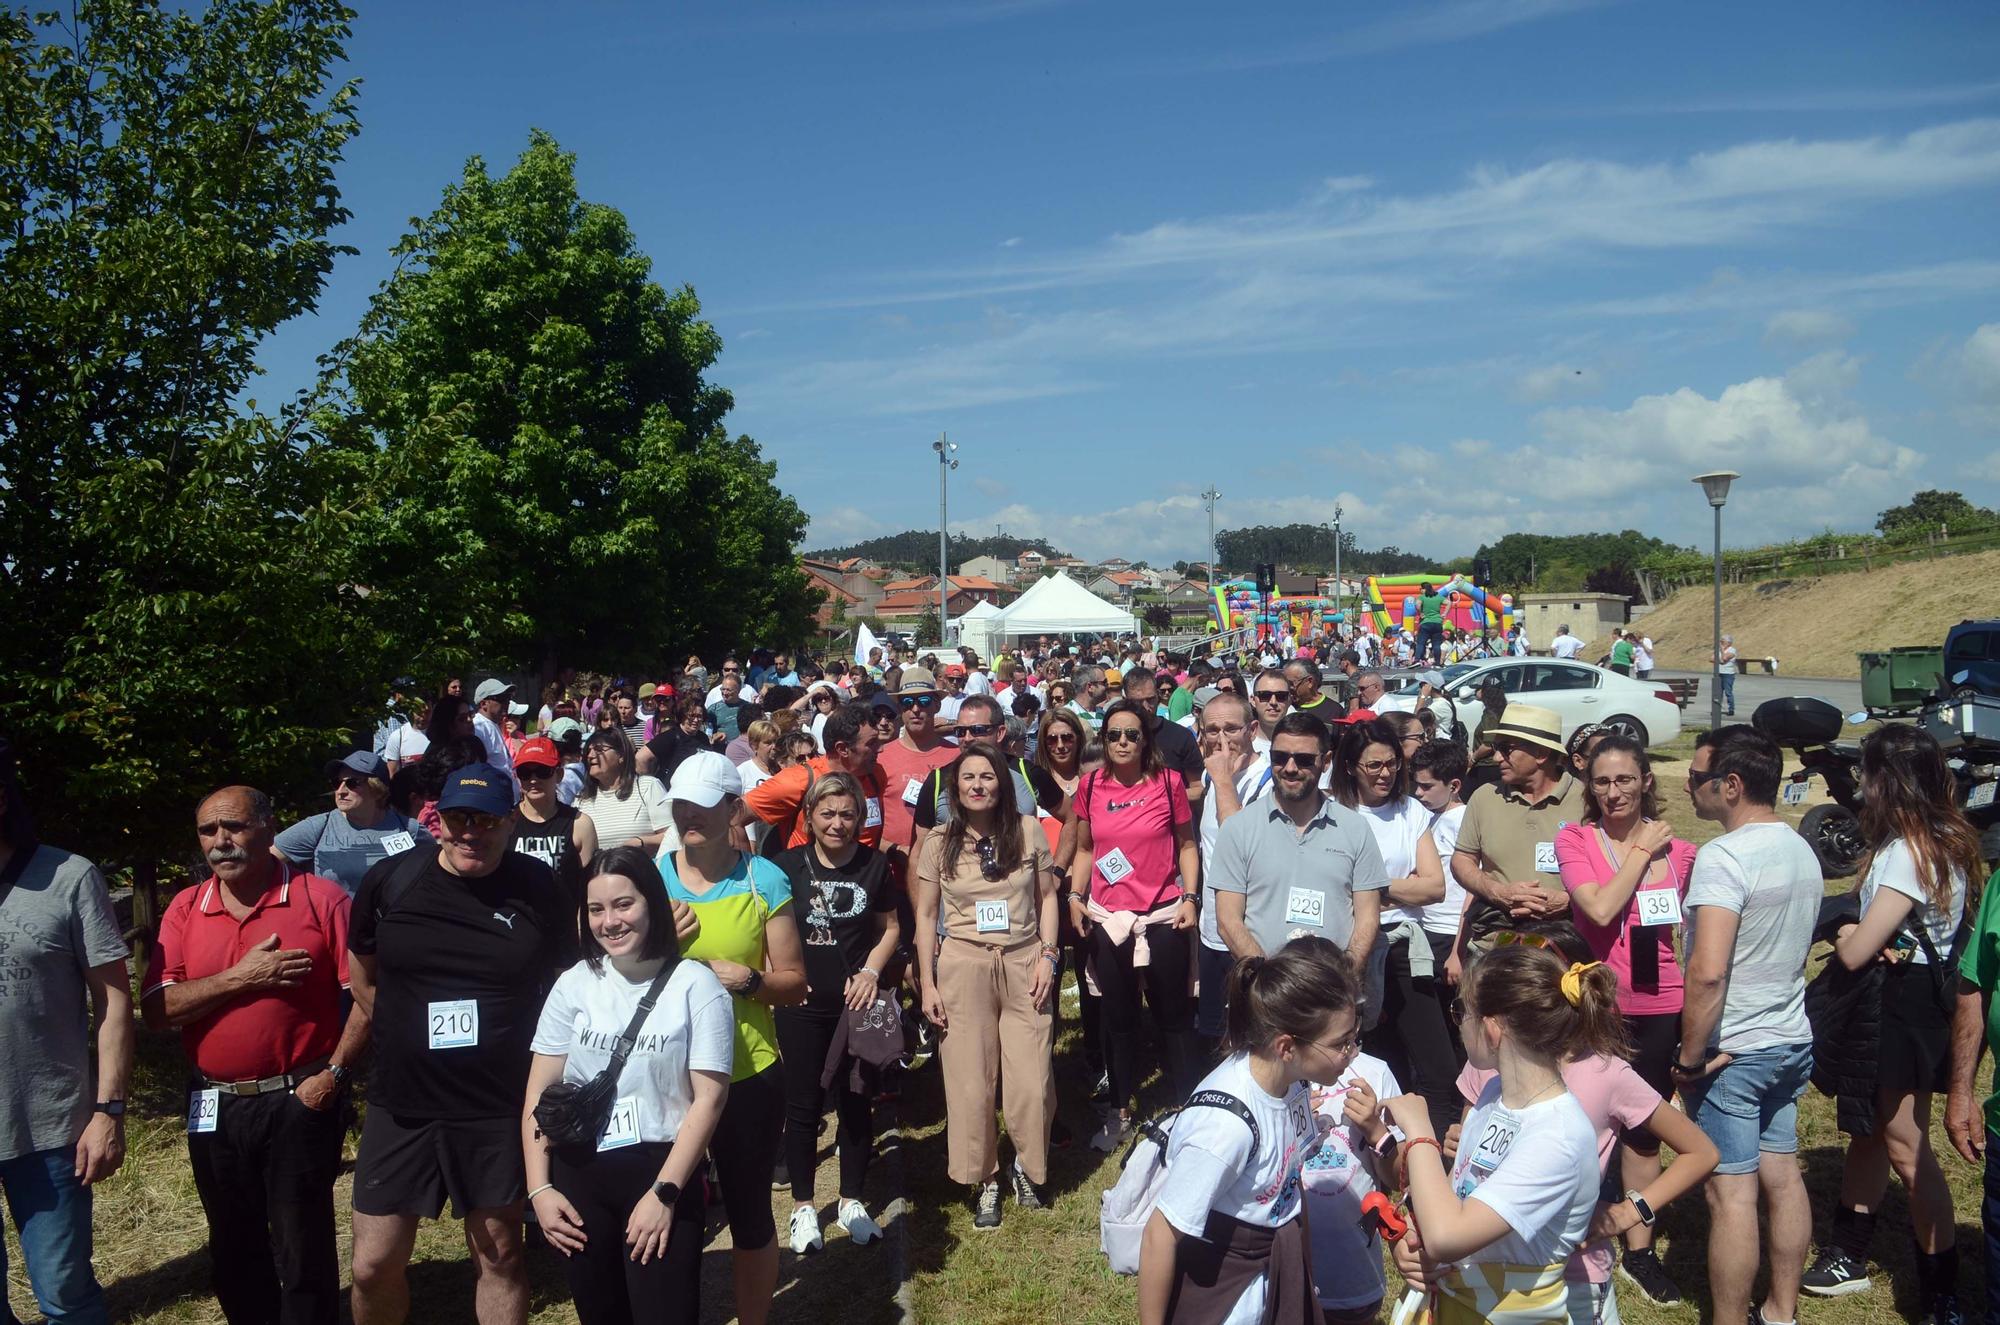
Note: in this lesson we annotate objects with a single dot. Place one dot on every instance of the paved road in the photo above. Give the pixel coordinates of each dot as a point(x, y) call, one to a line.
point(1753, 688)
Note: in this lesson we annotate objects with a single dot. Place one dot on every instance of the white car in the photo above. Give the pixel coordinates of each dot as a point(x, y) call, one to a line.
point(1578, 692)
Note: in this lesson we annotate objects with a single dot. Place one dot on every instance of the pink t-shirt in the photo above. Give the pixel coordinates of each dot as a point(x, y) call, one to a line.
point(1581, 858)
point(1615, 1098)
point(1137, 822)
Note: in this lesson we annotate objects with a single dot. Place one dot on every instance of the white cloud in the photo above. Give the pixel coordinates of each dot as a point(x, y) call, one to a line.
point(1811, 103)
point(1974, 371)
point(1012, 241)
point(838, 526)
point(1806, 326)
point(991, 488)
point(1729, 290)
point(1409, 25)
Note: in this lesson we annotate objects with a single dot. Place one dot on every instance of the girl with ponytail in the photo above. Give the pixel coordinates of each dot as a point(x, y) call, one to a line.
point(1493, 1235)
point(1225, 1241)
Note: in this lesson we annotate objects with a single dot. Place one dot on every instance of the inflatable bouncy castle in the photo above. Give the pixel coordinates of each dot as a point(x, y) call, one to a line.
point(1237, 604)
point(1471, 610)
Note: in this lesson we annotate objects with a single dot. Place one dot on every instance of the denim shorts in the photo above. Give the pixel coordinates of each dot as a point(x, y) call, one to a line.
point(1751, 1107)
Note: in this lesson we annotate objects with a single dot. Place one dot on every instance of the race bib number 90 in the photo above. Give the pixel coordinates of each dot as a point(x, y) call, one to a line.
point(454, 1024)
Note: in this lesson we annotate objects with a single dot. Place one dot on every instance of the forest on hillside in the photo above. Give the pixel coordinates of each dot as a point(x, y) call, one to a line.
point(918, 549)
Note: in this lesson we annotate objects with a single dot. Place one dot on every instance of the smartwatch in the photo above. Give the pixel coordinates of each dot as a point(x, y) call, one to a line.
point(1639, 1204)
point(670, 1192)
point(111, 1108)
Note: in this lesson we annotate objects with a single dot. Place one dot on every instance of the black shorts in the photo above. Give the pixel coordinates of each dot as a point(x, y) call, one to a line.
point(1654, 1037)
point(407, 1166)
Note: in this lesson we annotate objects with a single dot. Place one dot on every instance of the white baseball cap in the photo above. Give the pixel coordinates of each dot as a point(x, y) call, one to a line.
point(491, 688)
point(704, 778)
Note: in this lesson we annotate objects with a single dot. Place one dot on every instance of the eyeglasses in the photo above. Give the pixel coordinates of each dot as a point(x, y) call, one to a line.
point(1347, 1044)
point(1294, 758)
point(1124, 735)
point(1060, 738)
point(976, 728)
point(1506, 748)
point(1623, 782)
point(925, 702)
point(732, 671)
point(1220, 727)
point(469, 823)
point(1374, 766)
point(534, 772)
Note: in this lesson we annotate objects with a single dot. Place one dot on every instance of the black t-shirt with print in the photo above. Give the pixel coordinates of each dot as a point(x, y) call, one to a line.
point(554, 844)
point(834, 912)
point(440, 942)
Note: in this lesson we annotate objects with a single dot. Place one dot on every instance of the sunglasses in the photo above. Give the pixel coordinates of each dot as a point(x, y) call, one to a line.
point(976, 729)
point(1274, 696)
point(1508, 938)
point(1060, 738)
point(351, 784)
point(925, 702)
point(1123, 735)
point(1701, 779)
point(469, 823)
point(1293, 759)
point(534, 772)
point(989, 860)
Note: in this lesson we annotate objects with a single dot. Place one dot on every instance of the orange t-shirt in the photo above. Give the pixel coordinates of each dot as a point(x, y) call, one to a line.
point(778, 798)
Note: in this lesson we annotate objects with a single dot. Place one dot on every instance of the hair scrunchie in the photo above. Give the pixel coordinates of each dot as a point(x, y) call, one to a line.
point(1572, 982)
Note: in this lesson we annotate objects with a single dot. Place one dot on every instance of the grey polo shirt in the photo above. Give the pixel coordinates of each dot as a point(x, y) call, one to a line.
point(1297, 882)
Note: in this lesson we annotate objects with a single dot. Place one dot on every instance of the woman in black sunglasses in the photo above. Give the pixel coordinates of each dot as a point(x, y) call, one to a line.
point(1134, 874)
point(988, 874)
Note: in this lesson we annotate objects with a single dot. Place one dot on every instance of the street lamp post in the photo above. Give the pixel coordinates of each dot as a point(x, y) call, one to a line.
point(1211, 497)
point(1715, 485)
point(945, 465)
point(1340, 622)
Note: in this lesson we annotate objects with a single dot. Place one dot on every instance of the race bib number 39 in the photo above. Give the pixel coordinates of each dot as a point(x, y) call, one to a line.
point(203, 1106)
point(991, 917)
point(454, 1024)
point(1659, 906)
point(621, 1129)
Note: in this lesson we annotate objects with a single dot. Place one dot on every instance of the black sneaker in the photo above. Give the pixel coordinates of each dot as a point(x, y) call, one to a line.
point(986, 1206)
point(1025, 1194)
point(1642, 1269)
point(1944, 1311)
point(1101, 1092)
point(1835, 1274)
point(781, 1177)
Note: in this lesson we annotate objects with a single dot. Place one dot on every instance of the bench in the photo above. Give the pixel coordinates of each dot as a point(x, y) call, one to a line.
point(1685, 689)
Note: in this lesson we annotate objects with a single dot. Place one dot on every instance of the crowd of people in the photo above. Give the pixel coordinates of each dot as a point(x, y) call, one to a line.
point(608, 961)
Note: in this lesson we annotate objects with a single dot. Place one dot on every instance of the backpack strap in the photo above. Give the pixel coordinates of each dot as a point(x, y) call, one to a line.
point(403, 878)
point(1222, 1099)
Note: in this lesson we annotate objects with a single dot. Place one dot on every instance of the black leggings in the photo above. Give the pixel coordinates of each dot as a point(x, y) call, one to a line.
point(745, 1151)
point(804, 1035)
point(1166, 978)
point(608, 1286)
point(1414, 1036)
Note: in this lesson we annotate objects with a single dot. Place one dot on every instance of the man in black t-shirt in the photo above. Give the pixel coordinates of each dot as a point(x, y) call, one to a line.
point(1179, 750)
point(452, 952)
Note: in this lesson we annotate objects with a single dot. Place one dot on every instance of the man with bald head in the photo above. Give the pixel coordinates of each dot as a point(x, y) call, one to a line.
point(252, 967)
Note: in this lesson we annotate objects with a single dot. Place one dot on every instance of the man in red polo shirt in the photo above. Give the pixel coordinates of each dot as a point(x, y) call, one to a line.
point(906, 761)
point(252, 965)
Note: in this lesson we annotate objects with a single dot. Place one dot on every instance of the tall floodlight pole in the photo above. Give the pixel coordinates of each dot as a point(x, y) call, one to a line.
point(1211, 497)
point(1716, 486)
point(1341, 621)
point(945, 465)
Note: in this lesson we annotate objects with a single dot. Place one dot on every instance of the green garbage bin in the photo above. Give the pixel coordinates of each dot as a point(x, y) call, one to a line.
point(1901, 678)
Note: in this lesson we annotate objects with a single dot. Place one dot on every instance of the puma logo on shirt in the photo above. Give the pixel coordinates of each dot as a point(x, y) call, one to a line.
point(509, 920)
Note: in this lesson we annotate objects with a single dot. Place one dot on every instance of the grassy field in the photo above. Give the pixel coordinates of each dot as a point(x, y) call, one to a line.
point(1037, 1268)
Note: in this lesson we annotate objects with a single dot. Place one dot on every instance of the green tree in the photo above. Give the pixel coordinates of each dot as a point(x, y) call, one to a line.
point(174, 575)
point(1932, 511)
point(563, 485)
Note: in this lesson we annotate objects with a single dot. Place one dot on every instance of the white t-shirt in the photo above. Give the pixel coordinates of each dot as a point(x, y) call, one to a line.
point(1768, 876)
point(1253, 782)
point(1726, 665)
point(1565, 646)
point(1398, 826)
point(1347, 1263)
point(754, 776)
point(692, 1028)
point(406, 743)
point(1642, 655)
point(488, 732)
point(1210, 1165)
point(1895, 868)
point(978, 682)
point(1537, 1169)
point(1442, 917)
point(640, 813)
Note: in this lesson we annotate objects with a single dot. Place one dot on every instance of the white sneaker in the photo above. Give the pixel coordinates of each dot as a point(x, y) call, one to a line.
point(806, 1237)
point(854, 1217)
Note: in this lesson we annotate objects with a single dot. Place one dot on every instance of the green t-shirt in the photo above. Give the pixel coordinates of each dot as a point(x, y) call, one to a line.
point(1431, 609)
point(733, 914)
point(1980, 965)
point(1621, 653)
point(1181, 704)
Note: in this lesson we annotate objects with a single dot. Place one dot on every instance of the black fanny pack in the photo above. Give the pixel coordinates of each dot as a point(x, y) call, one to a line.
point(571, 1116)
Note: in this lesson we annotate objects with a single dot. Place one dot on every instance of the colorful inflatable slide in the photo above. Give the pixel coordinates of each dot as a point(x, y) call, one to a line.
point(1237, 605)
point(1392, 601)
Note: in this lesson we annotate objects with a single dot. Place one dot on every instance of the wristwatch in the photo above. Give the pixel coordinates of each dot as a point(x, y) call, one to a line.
point(339, 1074)
point(1639, 1204)
point(111, 1108)
point(752, 985)
point(669, 1192)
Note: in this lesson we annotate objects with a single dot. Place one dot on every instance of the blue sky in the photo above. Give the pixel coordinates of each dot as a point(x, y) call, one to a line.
point(1465, 266)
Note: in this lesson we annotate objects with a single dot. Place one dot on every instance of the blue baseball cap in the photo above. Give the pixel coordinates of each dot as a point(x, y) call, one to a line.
point(478, 787)
point(365, 762)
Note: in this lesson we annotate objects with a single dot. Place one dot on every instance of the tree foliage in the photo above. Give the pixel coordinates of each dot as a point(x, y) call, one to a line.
point(1559, 563)
point(173, 575)
point(918, 548)
point(563, 484)
point(1934, 512)
point(1311, 545)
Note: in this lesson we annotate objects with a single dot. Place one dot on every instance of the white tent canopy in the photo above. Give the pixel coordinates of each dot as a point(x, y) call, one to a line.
point(1059, 605)
point(973, 630)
